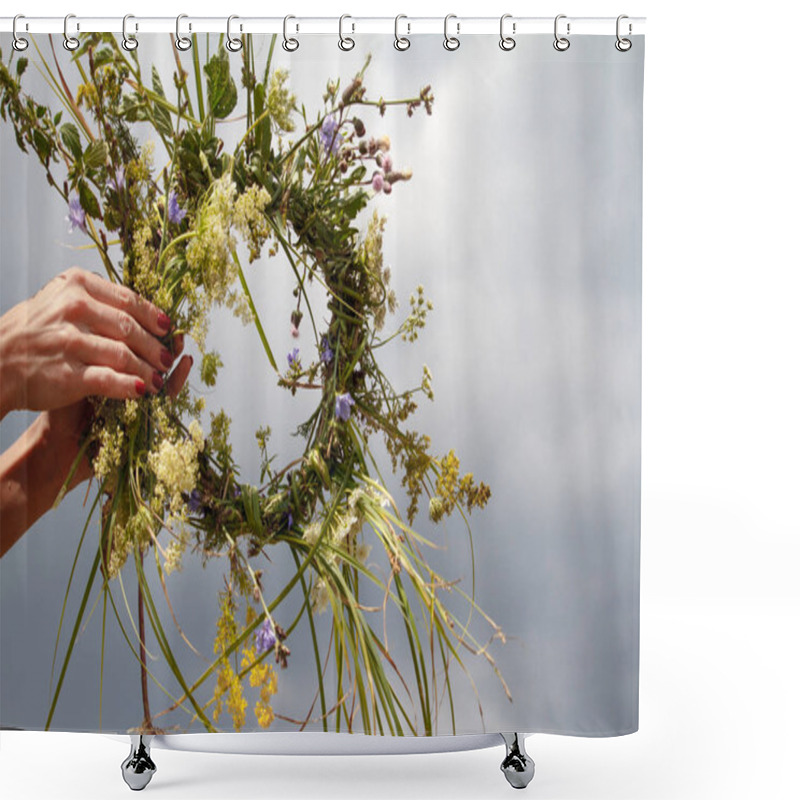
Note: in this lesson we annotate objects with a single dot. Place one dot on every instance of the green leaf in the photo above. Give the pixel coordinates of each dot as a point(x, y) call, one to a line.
point(95, 155)
point(220, 87)
point(72, 140)
point(252, 508)
point(161, 117)
point(88, 200)
point(57, 118)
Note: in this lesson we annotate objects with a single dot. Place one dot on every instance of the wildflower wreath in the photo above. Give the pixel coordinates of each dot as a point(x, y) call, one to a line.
point(294, 185)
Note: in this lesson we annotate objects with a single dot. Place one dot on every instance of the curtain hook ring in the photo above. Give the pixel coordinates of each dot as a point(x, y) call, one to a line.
point(451, 42)
point(507, 42)
point(129, 42)
point(19, 43)
point(71, 43)
point(182, 42)
point(561, 43)
point(233, 43)
point(623, 45)
point(290, 44)
point(346, 42)
point(401, 42)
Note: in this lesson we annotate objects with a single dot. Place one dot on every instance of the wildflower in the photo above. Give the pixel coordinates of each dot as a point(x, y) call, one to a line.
point(329, 134)
point(344, 402)
point(294, 357)
point(174, 211)
point(326, 354)
point(265, 637)
point(280, 101)
point(289, 520)
point(377, 181)
point(76, 216)
point(294, 330)
point(195, 505)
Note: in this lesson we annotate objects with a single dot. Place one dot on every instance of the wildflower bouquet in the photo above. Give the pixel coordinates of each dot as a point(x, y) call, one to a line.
point(170, 223)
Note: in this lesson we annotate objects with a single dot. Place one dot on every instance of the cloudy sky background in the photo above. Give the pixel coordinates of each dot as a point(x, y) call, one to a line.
point(523, 222)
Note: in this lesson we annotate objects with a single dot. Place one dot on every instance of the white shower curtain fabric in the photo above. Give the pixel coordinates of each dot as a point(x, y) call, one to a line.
point(421, 271)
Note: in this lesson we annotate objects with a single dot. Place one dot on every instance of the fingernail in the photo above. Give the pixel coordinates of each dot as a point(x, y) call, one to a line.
point(163, 321)
point(158, 381)
point(166, 358)
point(140, 387)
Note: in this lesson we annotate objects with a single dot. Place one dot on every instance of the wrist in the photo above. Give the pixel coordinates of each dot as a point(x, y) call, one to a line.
point(9, 377)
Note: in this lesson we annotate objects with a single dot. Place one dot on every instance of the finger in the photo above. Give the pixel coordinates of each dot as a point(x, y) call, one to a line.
point(97, 350)
point(116, 324)
point(178, 377)
point(177, 344)
point(149, 316)
point(107, 382)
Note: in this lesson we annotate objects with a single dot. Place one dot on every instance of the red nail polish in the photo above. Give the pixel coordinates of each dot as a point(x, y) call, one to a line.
point(163, 321)
point(140, 387)
point(166, 358)
point(158, 381)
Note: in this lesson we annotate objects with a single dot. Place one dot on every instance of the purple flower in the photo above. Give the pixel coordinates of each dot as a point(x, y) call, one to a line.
point(76, 216)
point(294, 357)
point(237, 492)
point(265, 637)
point(289, 520)
point(343, 405)
point(377, 181)
point(194, 505)
point(174, 211)
point(329, 134)
point(117, 183)
point(326, 353)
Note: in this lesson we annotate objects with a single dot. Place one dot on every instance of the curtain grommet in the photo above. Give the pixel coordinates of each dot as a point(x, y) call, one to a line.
point(290, 44)
point(451, 43)
point(622, 44)
point(401, 42)
point(233, 43)
point(19, 43)
point(71, 43)
point(129, 42)
point(346, 43)
point(507, 43)
point(561, 43)
point(183, 43)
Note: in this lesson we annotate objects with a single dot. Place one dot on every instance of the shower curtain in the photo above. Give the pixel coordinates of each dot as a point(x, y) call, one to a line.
point(358, 447)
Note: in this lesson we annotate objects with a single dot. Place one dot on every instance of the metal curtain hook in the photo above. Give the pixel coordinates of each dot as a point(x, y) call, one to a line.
point(70, 42)
point(233, 43)
point(507, 42)
point(290, 44)
point(20, 42)
point(129, 42)
point(345, 42)
point(451, 42)
point(182, 42)
point(401, 42)
point(561, 43)
point(623, 45)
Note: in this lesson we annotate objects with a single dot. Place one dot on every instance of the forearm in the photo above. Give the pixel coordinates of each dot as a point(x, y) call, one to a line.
point(32, 471)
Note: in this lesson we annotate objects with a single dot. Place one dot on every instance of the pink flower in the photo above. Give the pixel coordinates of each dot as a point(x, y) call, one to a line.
point(377, 181)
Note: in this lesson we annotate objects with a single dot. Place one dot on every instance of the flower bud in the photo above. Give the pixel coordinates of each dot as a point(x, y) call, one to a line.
point(359, 126)
point(351, 90)
point(387, 188)
point(377, 181)
point(362, 147)
point(318, 465)
point(436, 508)
point(384, 143)
point(387, 163)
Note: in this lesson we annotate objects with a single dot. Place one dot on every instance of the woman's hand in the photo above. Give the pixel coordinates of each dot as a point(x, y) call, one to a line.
point(80, 335)
point(65, 426)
